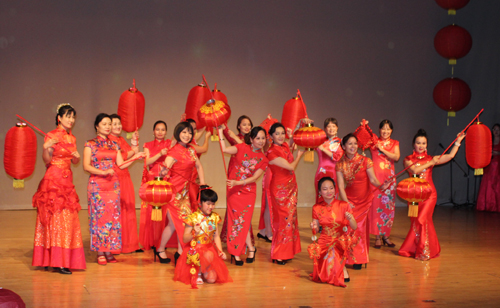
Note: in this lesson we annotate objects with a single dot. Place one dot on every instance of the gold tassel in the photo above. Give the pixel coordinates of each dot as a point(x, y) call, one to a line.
point(412, 209)
point(129, 135)
point(309, 156)
point(214, 138)
point(156, 213)
point(20, 183)
point(478, 171)
point(451, 114)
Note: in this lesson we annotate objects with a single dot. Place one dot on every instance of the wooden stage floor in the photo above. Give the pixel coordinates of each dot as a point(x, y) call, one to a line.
point(466, 274)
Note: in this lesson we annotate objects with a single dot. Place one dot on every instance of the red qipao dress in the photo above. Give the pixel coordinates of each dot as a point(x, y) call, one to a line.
point(383, 205)
point(359, 193)
point(103, 194)
point(194, 186)
point(421, 241)
point(149, 231)
point(180, 176)
point(205, 247)
point(335, 242)
point(489, 192)
point(58, 238)
point(130, 241)
point(326, 165)
point(241, 198)
point(284, 192)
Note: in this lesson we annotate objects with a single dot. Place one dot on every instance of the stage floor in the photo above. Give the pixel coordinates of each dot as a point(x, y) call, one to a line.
point(466, 274)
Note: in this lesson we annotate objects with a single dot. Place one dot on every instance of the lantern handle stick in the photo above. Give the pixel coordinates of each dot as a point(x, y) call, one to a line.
point(303, 104)
point(39, 130)
point(206, 84)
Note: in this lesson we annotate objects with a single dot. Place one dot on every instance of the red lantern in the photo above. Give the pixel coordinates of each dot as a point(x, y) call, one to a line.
point(218, 95)
point(268, 122)
point(20, 153)
point(478, 147)
point(197, 97)
point(452, 5)
point(131, 109)
point(452, 95)
point(364, 135)
point(414, 190)
point(214, 114)
point(157, 193)
point(453, 42)
point(309, 137)
point(293, 111)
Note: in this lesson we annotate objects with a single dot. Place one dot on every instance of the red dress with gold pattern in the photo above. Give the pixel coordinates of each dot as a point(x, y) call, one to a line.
point(359, 194)
point(488, 198)
point(334, 241)
point(130, 241)
point(194, 186)
point(284, 192)
point(421, 241)
point(326, 165)
point(58, 238)
point(384, 202)
point(241, 198)
point(150, 232)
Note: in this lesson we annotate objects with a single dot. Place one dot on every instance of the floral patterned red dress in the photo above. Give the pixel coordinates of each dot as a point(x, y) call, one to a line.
point(335, 242)
point(421, 241)
point(284, 192)
point(241, 198)
point(130, 241)
point(326, 165)
point(358, 191)
point(58, 238)
point(383, 205)
point(103, 194)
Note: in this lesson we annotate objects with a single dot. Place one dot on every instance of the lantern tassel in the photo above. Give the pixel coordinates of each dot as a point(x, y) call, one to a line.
point(412, 209)
point(20, 183)
point(309, 156)
point(478, 171)
point(156, 213)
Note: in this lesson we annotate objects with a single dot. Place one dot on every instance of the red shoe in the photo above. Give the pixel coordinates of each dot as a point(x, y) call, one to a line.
point(101, 260)
point(111, 259)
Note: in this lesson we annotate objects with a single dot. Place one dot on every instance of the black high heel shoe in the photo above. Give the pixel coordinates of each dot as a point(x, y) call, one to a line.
point(347, 279)
point(386, 242)
point(236, 262)
point(251, 260)
point(358, 266)
point(264, 237)
point(176, 256)
point(279, 262)
point(63, 270)
point(162, 260)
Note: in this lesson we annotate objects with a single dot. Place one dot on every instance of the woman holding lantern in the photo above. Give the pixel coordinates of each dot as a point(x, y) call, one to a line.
point(489, 192)
point(180, 163)
point(284, 194)
point(249, 164)
point(354, 175)
point(100, 157)
point(422, 242)
point(130, 241)
point(58, 238)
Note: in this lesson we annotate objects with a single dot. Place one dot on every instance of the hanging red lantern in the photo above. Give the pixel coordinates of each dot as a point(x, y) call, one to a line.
point(452, 95)
point(131, 110)
point(268, 122)
point(453, 42)
point(452, 5)
point(293, 111)
point(478, 147)
point(414, 190)
point(20, 153)
point(214, 114)
point(218, 95)
point(364, 135)
point(157, 193)
point(309, 137)
point(197, 97)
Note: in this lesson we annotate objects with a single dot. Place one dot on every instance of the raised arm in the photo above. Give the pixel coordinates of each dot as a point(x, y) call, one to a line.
point(228, 150)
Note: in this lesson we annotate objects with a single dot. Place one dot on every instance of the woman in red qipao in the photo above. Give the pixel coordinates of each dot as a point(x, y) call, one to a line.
point(100, 157)
point(421, 241)
point(354, 175)
point(329, 153)
point(181, 162)
point(156, 152)
point(130, 241)
point(249, 164)
point(284, 192)
point(385, 151)
point(58, 239)
point(489, 192)
point(334, 217)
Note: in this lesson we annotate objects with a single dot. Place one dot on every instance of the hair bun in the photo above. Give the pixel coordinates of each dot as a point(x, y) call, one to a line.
point(422, 132)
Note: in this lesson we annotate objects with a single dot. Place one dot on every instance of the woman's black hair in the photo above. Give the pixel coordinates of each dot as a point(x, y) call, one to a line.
point(66, 109)
point(240, 119)
point(330, 120)
point(324, 179)
point(421, 133)
point(253, 134)
point(388, 122)
point(274, 127)
point(115, 116)
point(207, 195)
point(99, 118)
point(347, 137)
point(191, 121)
point(160, 122)
point(180, 127)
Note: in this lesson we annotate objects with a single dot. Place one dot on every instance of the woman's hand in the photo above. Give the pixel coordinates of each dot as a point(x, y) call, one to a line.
point(460, 136)
point(163, 152)
point(231, 183)
point(314, 225)
point(223, 127)
point(197, 228)
point(208, 134)
point(50, 143)
point(434, 160)
point(385, 185)
point(349, 216)
point(366, 122)
point(222, 254)
point(307, 121)
point(75, 154)
point(139, 155)
point(300, 152)
point(109, 171)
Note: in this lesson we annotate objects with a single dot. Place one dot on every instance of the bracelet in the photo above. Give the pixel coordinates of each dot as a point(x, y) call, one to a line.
point(457, 144)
